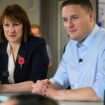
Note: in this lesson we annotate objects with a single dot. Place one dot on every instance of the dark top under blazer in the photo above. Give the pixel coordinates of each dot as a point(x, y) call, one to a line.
point(36, 61)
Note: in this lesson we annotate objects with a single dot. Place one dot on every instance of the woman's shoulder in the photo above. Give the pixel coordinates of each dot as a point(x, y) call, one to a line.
point(3, 45)
point(36, 40)
point(35, 43)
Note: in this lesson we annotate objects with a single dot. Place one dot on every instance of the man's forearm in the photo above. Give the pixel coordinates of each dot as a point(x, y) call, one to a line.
point(83, 94)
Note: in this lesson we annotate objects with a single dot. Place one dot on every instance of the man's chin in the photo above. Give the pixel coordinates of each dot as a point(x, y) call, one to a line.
point(74, 38)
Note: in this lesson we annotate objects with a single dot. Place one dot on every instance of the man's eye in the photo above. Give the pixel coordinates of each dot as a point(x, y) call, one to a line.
point(64, 19)
point(75, 17)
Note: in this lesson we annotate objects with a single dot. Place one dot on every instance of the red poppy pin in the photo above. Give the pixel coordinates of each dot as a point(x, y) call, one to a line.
point(21, 60)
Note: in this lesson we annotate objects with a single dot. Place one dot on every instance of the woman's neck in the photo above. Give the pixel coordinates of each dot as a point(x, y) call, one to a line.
point(14, 50)
point(14, 46)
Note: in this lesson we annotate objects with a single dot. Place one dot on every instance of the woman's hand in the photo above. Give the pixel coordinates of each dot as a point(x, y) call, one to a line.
point(40, 87)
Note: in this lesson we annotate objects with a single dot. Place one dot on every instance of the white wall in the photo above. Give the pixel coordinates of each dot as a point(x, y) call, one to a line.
point(101, 0)
point(101, 13)
point(32, 8)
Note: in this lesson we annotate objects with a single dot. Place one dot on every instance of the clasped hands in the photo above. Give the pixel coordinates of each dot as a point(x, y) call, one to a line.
point(45, 87)
point(40, 87)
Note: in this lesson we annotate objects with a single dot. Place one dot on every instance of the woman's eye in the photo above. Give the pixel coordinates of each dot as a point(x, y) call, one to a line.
point(16, 24)
point(5, 25)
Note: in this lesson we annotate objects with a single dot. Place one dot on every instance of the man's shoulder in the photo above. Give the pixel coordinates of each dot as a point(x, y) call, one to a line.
point(71, 43)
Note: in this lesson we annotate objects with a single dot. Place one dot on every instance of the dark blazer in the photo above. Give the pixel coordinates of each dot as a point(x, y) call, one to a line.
point(36, 61)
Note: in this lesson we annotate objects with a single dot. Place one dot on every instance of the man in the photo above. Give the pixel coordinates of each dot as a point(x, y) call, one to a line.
point(83, 63)
point(36, 30)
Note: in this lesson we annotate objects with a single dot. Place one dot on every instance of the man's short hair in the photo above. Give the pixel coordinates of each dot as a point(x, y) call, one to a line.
point(84, 3)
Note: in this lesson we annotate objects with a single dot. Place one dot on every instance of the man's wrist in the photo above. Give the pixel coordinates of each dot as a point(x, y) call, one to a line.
point(61, 94)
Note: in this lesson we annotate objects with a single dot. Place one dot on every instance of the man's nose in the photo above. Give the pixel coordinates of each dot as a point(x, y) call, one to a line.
point(70, 23)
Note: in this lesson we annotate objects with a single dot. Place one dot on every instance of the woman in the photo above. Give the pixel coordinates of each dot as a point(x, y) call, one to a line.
point(23, 57)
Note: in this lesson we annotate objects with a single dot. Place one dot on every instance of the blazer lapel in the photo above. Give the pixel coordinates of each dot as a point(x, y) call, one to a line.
point(21, 56)
point(4, 68)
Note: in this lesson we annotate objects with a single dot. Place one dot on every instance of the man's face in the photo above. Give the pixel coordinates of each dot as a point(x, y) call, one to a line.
point(77, 21)
point(36, 31)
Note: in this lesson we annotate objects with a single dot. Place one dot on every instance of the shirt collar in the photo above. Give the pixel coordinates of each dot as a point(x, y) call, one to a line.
point(9, 49)
point(90, 37)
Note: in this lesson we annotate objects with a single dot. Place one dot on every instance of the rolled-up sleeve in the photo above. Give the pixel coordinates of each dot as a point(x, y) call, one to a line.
point(99, 84)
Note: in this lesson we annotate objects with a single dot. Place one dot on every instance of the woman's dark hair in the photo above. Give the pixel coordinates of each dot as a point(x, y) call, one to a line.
point(84, 3)
point(15, 13)
point(33, 99)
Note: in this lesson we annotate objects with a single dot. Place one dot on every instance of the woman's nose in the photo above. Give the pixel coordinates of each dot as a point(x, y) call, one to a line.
point(11, 29)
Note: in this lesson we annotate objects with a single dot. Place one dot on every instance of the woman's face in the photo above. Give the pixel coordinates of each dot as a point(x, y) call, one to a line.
point(13, 30)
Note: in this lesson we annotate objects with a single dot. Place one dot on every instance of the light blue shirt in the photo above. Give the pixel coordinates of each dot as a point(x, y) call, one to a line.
point(88, 73)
